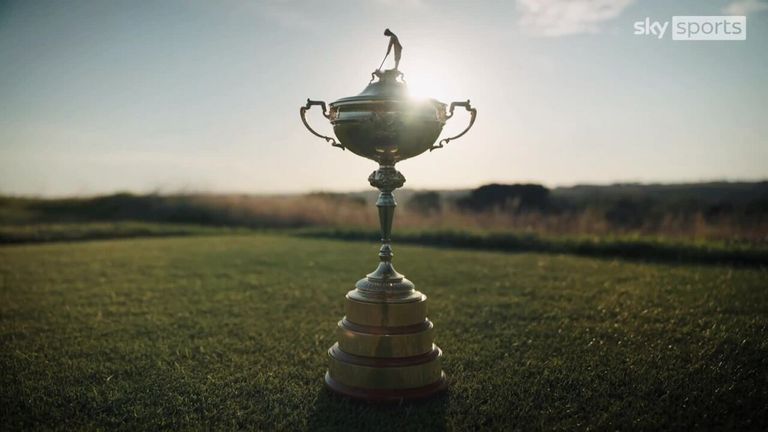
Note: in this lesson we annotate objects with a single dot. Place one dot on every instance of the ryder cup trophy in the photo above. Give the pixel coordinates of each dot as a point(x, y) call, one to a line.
point(385, 347)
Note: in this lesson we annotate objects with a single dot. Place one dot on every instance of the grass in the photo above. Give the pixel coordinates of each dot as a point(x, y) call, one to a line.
point(230, 332)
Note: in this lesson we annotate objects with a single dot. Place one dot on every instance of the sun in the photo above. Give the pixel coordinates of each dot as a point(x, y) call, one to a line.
point(426, 80)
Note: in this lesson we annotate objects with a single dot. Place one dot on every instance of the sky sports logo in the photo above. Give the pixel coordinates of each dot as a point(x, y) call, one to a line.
point(696, 28)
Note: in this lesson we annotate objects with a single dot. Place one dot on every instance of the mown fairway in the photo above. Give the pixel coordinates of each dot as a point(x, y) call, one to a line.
point(230, 332)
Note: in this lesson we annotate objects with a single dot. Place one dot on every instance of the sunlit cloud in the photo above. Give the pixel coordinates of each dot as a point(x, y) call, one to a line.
point(551, 18)
point(745, 7)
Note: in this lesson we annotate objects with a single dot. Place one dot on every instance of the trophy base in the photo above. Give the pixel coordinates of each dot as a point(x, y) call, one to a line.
point(385, 349)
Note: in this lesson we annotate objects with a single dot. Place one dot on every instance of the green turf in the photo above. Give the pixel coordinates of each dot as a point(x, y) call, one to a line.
point(230, 332)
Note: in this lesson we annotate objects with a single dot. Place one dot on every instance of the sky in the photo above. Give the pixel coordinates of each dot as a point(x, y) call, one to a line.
point(203, 96)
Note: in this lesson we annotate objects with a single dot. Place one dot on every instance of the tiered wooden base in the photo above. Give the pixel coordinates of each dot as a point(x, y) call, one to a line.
point(385, 350)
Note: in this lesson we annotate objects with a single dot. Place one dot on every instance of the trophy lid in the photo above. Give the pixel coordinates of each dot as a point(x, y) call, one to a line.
point(387, 88)
point(390, 87)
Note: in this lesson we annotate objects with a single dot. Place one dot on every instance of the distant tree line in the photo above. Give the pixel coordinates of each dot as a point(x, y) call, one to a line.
point(739, 207)
point(513, 198)
point(623, 205)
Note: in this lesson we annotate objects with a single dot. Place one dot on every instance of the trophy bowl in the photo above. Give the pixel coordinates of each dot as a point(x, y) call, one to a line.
point(384, 123)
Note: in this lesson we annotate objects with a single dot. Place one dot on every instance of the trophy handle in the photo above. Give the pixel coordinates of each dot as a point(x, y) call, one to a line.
point(303, 112)
point(473, 115)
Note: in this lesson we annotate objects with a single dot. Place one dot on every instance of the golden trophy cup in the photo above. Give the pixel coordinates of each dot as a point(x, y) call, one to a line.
point(385, 348)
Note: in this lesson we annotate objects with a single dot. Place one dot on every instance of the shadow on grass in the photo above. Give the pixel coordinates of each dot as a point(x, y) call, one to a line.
point(333, 412)
point(71, 232)
point(648, 249)
point(635, 249)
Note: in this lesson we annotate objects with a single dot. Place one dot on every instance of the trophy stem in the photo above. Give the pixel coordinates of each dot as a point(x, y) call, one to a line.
point(386, 179)
point(386, 205)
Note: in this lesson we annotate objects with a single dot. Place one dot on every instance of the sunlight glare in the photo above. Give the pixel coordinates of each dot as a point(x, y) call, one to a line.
point(425, 87)
point(426, 78)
